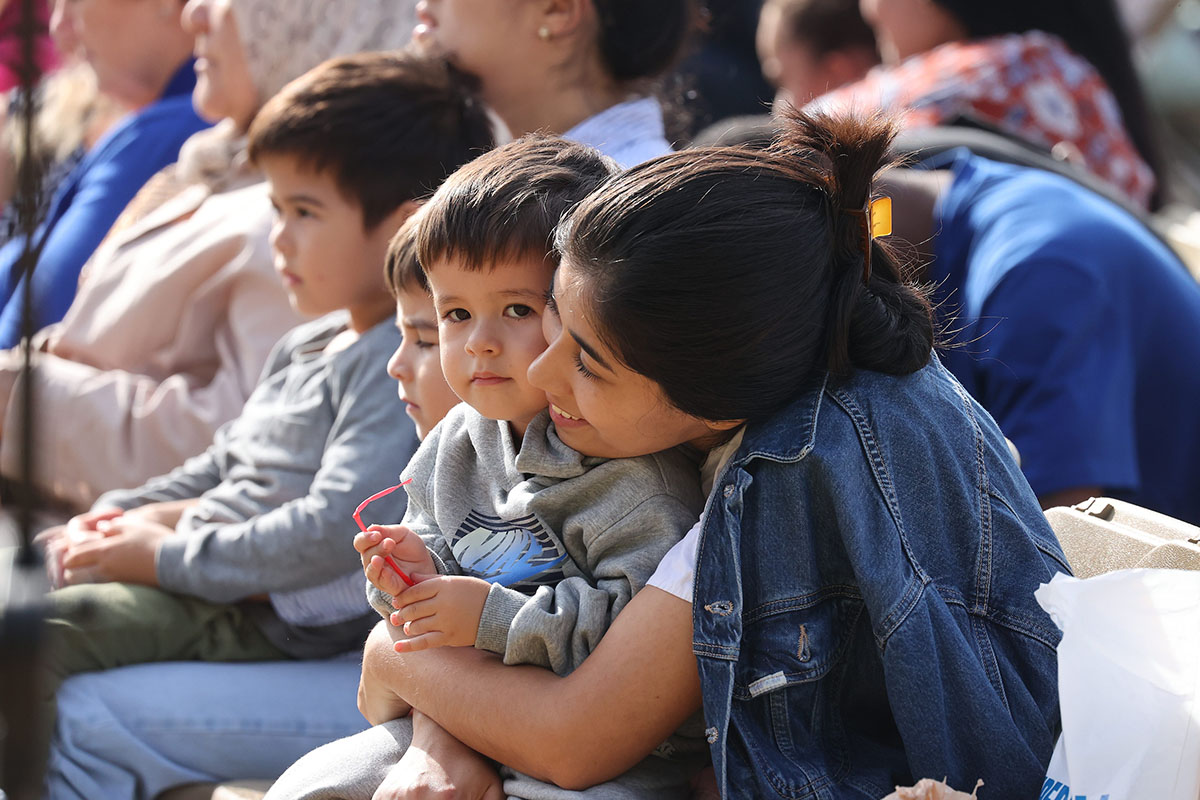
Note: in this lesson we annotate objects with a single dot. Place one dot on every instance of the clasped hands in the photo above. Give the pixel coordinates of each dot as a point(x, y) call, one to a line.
point(440, 610)
point(104, 545)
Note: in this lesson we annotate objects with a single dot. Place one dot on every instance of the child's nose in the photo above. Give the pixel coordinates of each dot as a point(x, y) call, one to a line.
point(281, 241)
point(396, 366)
point(483, 340)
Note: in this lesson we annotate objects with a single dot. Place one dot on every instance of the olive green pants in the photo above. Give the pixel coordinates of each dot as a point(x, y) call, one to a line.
point(97, 626)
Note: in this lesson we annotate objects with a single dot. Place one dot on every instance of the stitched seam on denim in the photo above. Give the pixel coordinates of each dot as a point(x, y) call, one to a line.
point(807, 791)
point(771, 455)
point(1038, 542)
point(800, 602)
point(1018, 623)
point(983, 563)
point(899, 613)
point(879, 470)
point(705, 530)
point(987, 655)
point(721, 651)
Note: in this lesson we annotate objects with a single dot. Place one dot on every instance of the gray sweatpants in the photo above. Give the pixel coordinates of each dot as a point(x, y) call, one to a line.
point(352, 769)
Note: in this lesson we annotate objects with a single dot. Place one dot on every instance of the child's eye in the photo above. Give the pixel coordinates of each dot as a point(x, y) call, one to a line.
point(583, 370)
point(422, 345)
point(457, 315)
point(517, 311)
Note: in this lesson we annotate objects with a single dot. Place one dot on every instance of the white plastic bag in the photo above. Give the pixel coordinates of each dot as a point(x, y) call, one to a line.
point(1129, 686)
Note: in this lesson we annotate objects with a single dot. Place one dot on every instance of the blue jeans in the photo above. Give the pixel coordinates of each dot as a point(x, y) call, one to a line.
point(135, 731)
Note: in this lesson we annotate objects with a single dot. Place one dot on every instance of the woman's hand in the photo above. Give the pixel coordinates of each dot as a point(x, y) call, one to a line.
point(437, 765)
point(637, 687)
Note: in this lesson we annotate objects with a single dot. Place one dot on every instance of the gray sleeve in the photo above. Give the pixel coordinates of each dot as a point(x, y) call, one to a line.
point(305, 542)
point(560, 625)
point(197, 475)
point(200, 473)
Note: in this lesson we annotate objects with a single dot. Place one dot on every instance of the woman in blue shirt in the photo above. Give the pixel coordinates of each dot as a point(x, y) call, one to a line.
point(142, 59)
point(855, 608)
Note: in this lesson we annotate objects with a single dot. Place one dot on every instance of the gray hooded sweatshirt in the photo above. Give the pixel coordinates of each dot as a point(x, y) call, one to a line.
point(565, 539)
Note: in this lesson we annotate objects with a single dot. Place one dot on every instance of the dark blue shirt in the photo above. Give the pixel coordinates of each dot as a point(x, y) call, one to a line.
point(1078, 330)
point(90, 199)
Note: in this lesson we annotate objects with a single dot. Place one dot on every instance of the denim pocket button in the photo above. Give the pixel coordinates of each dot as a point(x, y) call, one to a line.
point(728, 491)
point(711, 735)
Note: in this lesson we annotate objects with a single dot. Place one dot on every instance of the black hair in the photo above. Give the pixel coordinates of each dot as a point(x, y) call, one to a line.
point(387, 126)
point(401, 269)
point(734, 277)
point(640, 39)
point(1091, 28)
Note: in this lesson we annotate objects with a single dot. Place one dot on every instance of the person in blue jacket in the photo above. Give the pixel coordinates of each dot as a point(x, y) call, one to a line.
point(1073, 325)
point(142, 58)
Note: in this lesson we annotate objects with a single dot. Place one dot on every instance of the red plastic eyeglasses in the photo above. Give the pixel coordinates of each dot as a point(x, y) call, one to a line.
point(358, 519)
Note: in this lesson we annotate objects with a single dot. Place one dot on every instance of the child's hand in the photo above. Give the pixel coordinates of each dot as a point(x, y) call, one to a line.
point(440, 612)
point(57, 541)
point(405, 548)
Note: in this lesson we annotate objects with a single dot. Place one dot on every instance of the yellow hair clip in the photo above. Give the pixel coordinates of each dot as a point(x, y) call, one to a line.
point(875, 220)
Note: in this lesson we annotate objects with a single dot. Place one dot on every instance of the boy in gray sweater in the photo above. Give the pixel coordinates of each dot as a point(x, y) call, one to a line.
point(242, 553)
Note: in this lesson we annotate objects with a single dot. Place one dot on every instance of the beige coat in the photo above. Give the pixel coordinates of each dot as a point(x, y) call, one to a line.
point(165, 341)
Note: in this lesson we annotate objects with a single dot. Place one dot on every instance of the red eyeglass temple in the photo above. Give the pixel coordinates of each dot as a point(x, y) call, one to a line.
point(358, 519)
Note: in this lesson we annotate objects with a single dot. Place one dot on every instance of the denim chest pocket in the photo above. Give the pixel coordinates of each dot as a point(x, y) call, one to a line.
point(787, 686)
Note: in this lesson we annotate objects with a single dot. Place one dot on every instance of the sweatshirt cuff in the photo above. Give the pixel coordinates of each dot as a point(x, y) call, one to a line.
point(442, 566)
point(380, 600)
point(499, 611)
point(168, 563)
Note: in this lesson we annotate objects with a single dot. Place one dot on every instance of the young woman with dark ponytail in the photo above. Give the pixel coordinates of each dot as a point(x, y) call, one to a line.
point(854, 609)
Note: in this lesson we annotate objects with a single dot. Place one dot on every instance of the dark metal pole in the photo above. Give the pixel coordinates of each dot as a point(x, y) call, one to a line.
point(23, 733)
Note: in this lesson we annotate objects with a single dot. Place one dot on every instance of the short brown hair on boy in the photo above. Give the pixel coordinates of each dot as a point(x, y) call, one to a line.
point(388, 127)
point(507, 203)
point(402, 271)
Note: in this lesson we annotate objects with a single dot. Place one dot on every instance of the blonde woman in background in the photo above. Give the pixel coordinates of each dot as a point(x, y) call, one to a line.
point(141, 58)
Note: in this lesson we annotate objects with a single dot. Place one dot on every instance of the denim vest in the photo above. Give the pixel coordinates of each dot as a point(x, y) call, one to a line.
point(864, 612)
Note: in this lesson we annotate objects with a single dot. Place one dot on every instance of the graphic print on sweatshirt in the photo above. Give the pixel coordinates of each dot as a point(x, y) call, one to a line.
point(508, 552)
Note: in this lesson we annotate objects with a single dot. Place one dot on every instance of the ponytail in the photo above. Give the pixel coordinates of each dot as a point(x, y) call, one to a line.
point(734, 277)
point(877, 320)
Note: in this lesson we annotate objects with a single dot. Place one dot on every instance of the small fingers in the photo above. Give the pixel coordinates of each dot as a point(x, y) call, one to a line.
point(384, 577)
point(365, 541)
point(425, 641)
point(408, 612)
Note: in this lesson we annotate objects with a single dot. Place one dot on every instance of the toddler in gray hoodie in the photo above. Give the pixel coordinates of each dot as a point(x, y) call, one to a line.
point(520, 544)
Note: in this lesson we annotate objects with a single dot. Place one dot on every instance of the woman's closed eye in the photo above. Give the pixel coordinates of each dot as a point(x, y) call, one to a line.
point(583, 370)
